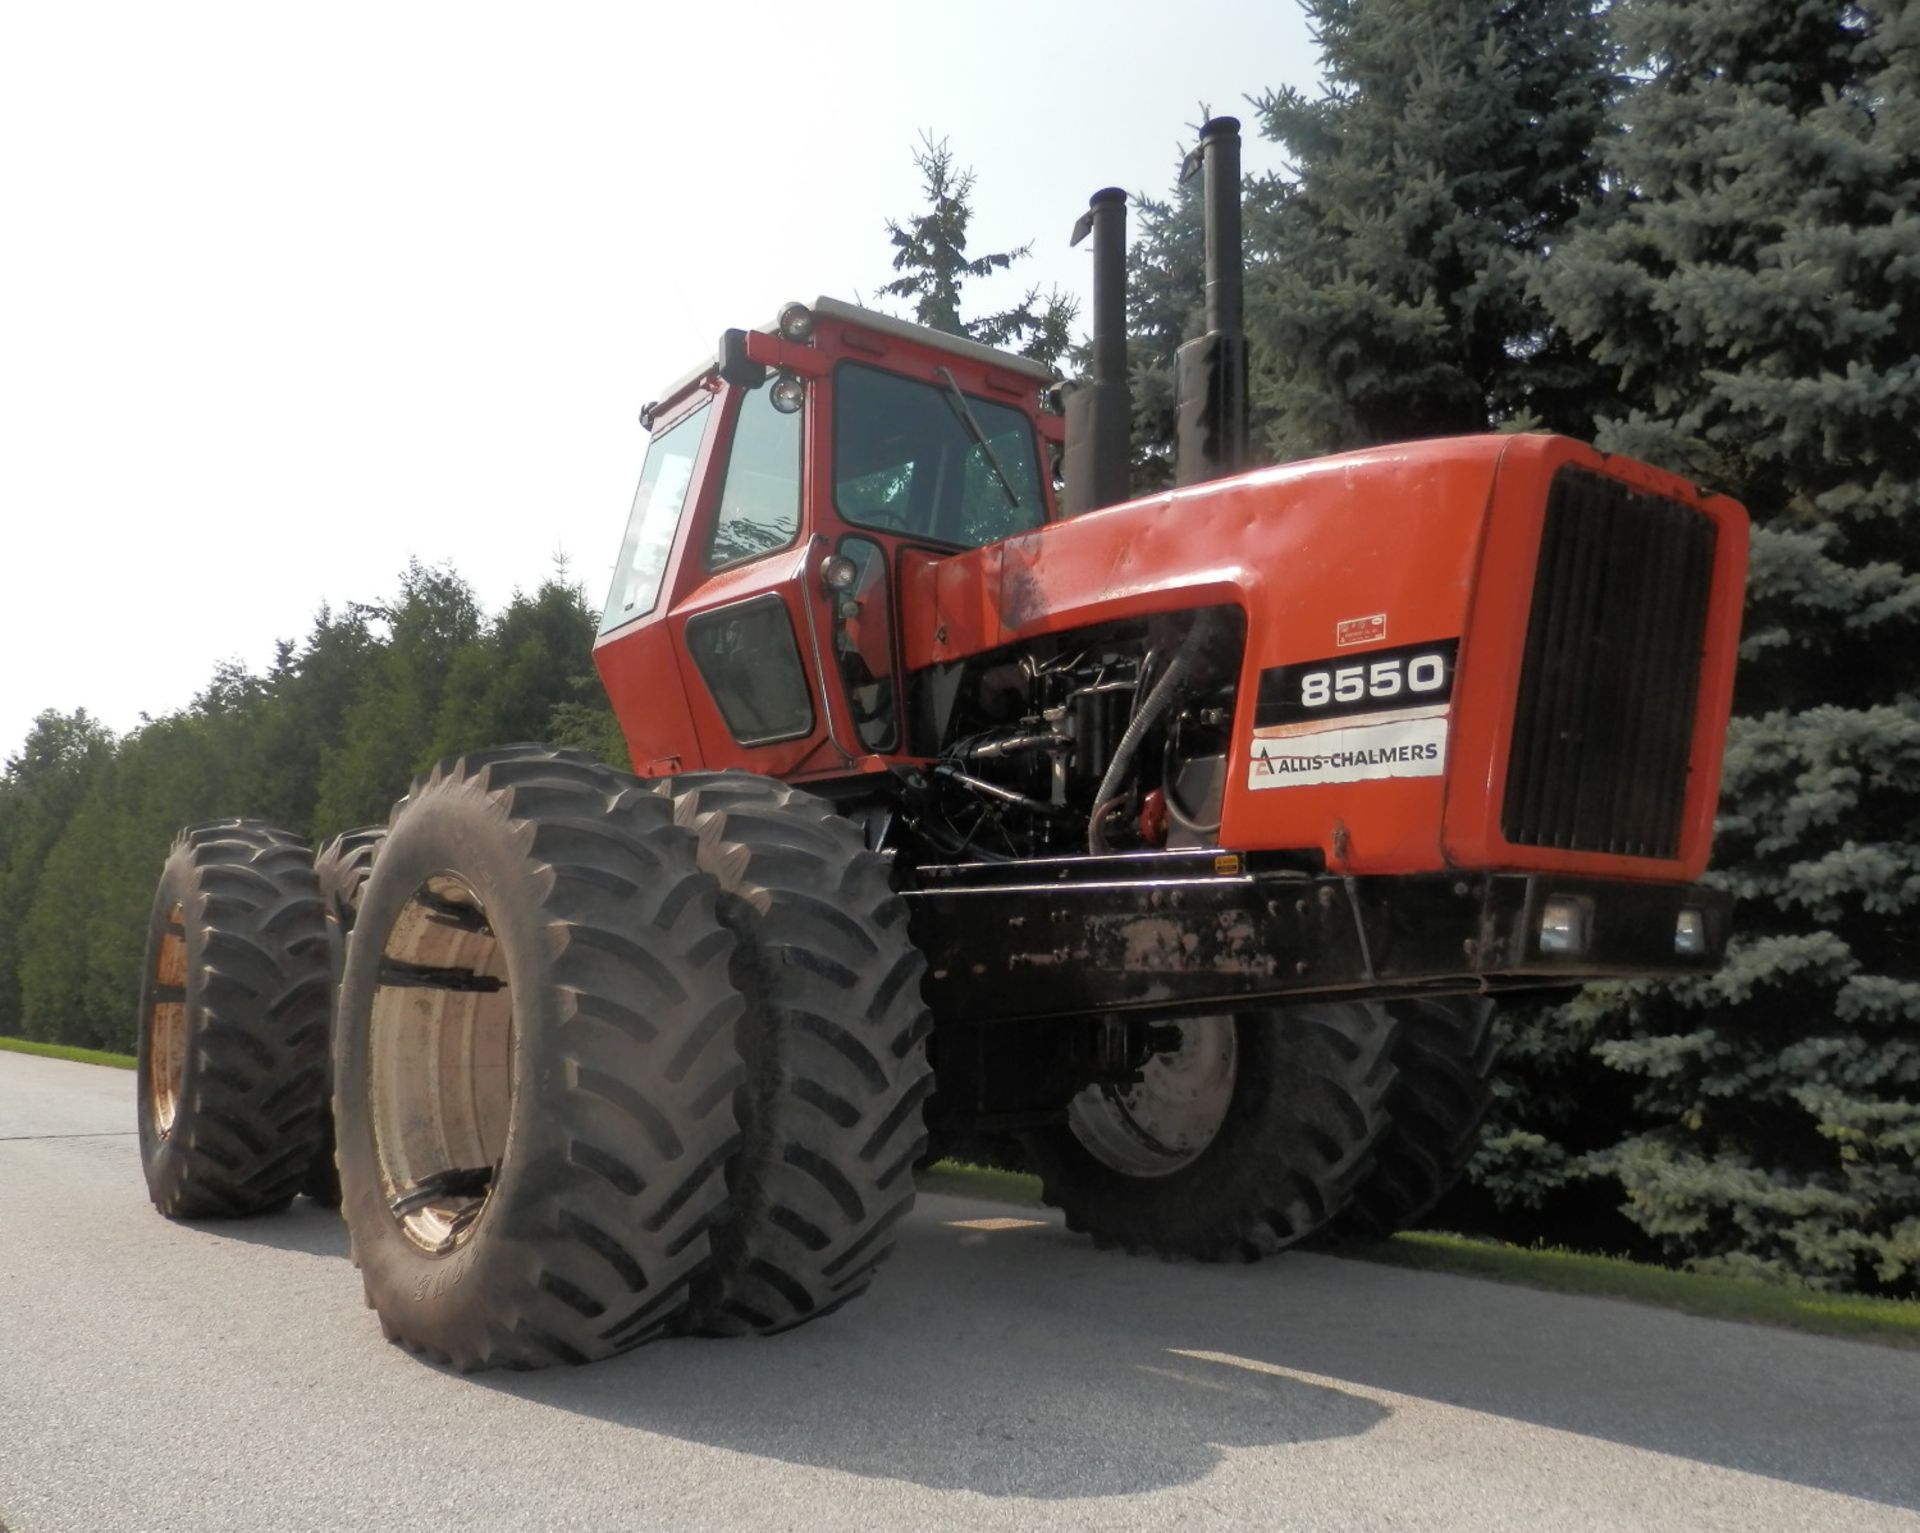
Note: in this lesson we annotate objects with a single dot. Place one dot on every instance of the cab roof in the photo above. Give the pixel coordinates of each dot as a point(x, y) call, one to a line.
point(885, 324)
point(939, 340)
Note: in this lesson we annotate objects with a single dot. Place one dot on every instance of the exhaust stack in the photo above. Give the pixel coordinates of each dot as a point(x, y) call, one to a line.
point(1211, 371)
point(1099, 451)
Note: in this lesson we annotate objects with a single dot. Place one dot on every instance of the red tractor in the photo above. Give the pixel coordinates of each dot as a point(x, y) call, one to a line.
point(1177, 842)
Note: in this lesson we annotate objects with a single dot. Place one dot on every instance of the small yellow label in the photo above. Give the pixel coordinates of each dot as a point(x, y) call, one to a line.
point(1227, 864)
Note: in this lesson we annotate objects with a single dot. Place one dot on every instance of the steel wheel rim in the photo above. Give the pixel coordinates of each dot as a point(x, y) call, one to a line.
point(1166, 1121)
point(167, 1023)
point(440, 1064)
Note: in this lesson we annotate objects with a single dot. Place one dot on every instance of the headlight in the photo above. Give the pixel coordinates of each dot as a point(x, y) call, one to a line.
point(839, 573)
point(1690, 934)
point(1563, 926)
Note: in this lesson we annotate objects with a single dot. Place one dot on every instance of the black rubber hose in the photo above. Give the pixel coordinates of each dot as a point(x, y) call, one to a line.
point(1148, 714)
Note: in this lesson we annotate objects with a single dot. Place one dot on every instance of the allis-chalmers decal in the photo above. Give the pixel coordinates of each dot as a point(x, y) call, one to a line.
point(1328, 721)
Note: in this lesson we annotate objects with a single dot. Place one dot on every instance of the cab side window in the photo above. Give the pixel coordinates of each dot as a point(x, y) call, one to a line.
point(760, 495)
point(664, 481)
point(751, 664)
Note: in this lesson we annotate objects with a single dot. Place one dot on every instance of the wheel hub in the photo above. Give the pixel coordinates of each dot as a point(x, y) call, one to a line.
point(167, 1023)
point(440, 1063)
point(1164, 1121)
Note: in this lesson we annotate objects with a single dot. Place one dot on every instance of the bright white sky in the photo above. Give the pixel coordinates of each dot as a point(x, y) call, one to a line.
point(288, 295)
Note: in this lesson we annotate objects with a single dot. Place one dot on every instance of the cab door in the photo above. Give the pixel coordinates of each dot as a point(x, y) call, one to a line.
point(746, 622)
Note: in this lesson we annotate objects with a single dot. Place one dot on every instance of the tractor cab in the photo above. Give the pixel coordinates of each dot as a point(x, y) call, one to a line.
point(752, 620)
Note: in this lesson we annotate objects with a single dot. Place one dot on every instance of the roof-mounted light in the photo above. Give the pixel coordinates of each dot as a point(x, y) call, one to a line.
point(796, 323)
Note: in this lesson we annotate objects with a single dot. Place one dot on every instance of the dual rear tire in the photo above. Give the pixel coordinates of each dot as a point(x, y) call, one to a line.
point(616, 1059)
point(536, 1045)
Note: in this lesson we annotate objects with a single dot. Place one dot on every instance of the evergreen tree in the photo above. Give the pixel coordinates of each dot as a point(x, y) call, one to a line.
point(41, 789)
point(84, 929)
point(1451, 148)
point(1754, 277)
point(534, 660)
point(350, 712)
point(930, 253)
point(1166, 306)
point(391, 726)
point(1166, 286)
point(312, 685)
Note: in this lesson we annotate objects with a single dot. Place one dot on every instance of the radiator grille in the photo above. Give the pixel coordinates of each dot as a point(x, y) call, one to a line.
point(1611, 676)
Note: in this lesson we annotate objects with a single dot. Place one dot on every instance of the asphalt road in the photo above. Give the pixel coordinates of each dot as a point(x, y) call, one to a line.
point(156, 1376)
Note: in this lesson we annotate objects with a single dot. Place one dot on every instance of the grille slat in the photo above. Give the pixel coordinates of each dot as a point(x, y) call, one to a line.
point(1611, 675)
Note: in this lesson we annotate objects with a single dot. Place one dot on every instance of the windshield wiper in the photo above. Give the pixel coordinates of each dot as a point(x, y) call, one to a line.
point(965, 412)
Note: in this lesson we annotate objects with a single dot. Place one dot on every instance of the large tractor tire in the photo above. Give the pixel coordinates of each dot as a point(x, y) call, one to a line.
point(835, 1046)
point(535, 1064)
point(1443, 1062)
point(341, 868)
point(1247, 1138)
point(233, 1023)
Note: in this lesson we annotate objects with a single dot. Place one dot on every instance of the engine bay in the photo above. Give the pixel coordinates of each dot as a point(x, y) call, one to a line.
point(1111, 738)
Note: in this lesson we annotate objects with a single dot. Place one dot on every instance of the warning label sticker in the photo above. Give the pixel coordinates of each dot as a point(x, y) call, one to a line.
point(1410, 742)
point(1360, 630)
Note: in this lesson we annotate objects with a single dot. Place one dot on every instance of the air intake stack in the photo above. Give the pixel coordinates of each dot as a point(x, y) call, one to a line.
point(1211, 372)
point(1100, 411)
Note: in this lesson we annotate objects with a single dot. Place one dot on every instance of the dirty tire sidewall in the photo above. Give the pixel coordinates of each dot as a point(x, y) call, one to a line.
point(617, 969)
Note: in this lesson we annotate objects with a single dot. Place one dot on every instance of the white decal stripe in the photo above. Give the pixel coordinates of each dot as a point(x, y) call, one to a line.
point(1350, 721)
point(1399, 745)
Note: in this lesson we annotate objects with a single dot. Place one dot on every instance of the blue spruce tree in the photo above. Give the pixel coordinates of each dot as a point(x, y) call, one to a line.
point(1754, 279)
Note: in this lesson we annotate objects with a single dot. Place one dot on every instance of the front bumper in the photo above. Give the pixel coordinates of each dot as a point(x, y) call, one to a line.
point(1173, 932)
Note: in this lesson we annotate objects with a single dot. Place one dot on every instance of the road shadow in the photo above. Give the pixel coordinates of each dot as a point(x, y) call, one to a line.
point(955, 1373)
point(306, 1227)
point(1014, 1360)
point(962, 1371)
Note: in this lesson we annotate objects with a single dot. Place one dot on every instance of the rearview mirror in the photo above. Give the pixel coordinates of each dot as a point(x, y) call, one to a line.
point(736, 367)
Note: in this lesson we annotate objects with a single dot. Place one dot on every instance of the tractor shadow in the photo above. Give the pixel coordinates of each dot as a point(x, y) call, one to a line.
point(305, 1228)
point(985, 1360)
point(1017, 1361)
point(999, 1355)
point(1046, 1376)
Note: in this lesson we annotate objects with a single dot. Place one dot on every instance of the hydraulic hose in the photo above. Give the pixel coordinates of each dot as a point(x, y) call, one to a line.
point(1145, 717)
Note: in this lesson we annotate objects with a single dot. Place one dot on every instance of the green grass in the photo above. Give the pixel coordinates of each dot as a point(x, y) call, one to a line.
point(62, 1051)
point(1896, 1321)
point(1892, 1321)
point(960, 1180)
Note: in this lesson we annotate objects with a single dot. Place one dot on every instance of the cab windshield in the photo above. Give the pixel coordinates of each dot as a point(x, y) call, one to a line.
point(926, 460)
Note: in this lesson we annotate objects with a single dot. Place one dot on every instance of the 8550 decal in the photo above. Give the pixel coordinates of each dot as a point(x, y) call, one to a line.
point(1354, 719)
point(1410, 675)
